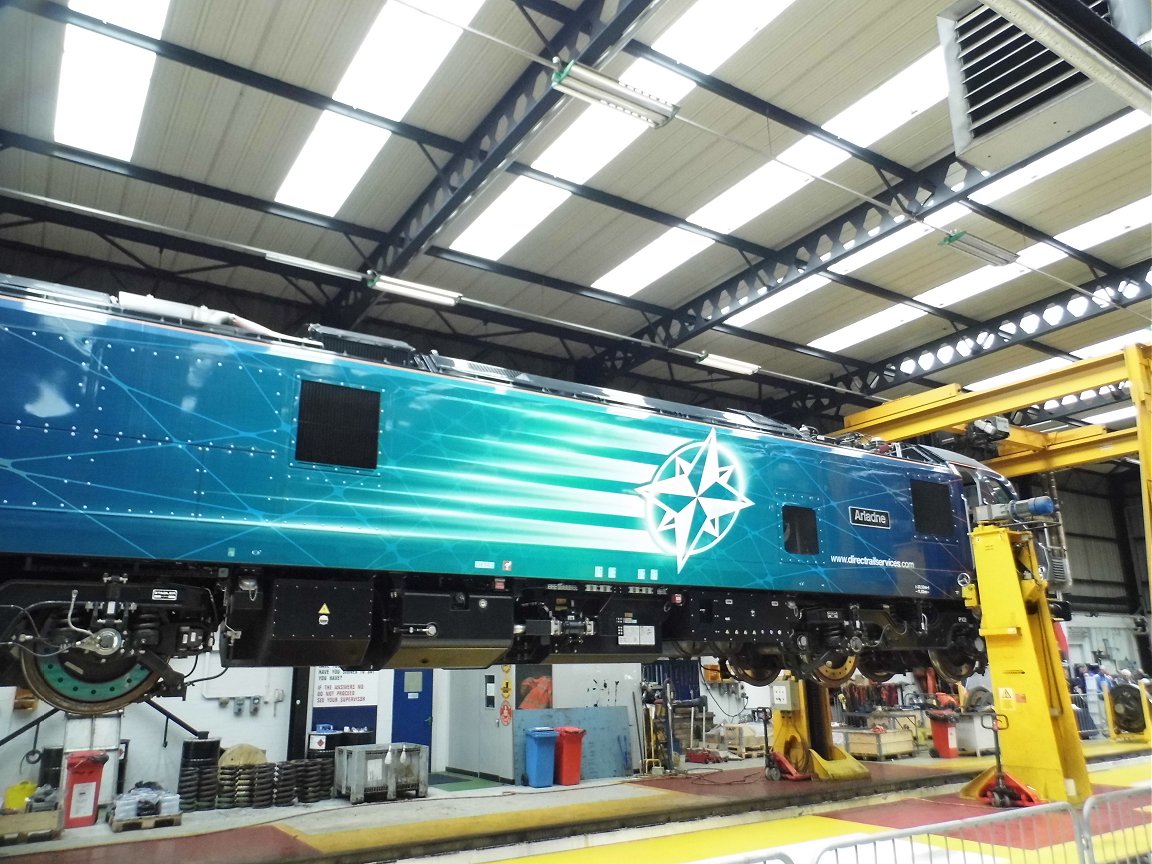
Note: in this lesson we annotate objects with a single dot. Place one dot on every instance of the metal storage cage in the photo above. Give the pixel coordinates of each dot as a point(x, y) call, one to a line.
point(381, 771)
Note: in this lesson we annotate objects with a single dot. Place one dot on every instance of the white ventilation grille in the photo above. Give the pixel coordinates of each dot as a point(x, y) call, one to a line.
point(1009, 95)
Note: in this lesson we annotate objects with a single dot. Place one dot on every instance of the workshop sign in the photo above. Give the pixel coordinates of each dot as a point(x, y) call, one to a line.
point(334, 687)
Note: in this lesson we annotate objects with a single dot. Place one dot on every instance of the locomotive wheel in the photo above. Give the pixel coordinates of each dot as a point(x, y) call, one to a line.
point(832, 670)
point(757, 670)
point(875, 667)
point(952, 665)
point(85, 682)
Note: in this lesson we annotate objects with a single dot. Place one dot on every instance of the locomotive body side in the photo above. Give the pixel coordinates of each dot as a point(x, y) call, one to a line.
point(211, 475)
point(127, 439)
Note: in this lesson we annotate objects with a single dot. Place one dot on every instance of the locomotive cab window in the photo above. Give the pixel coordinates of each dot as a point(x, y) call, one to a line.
point(932, 508)
point(800, 537)
point(338, 425)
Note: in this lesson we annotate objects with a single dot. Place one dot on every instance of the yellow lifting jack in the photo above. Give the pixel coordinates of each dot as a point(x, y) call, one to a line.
point(802, 732)
point(1039, 739)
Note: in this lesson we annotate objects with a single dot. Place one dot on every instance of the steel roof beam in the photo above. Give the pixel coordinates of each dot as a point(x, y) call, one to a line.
point(921, 194)
point(1021, 326)
point(181, 184)
point(650, 310)
point(746, 247)
point(593, 33)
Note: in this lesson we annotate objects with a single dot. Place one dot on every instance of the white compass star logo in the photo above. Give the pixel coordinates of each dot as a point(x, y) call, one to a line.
point(694, 497)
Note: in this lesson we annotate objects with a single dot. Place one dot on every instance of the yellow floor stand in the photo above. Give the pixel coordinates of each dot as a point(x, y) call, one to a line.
point(1039, 742)
point(804, 736)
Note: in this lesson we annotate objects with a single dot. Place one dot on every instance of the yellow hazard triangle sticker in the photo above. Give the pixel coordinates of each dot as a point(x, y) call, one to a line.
point(324, 610)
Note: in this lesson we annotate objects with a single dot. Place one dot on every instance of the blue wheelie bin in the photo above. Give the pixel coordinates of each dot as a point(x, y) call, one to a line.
point(540, 756)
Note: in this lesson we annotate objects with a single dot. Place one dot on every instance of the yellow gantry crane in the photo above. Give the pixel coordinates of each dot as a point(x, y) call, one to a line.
point(1025, 451)
point(1040, 742)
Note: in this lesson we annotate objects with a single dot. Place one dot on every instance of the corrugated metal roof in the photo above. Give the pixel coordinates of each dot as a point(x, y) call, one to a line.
point(224, 126)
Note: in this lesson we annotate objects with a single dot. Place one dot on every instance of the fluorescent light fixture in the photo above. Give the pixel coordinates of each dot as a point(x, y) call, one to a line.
point(404, 48)
point(104, 82)
point(314, 266)
point(598, 89)
point(979, 248)
point(412, 290)
point(703, 37)
point(727, 364)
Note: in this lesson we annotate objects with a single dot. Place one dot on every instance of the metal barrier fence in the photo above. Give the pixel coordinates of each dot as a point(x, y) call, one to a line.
point(1089, 712)
point(1047, 834)
point(760, 857)
point(1114, 828)
point(1118, 827)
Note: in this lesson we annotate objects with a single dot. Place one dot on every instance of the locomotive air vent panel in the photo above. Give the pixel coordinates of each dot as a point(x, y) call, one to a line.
point(932, 508)
point(338, 425)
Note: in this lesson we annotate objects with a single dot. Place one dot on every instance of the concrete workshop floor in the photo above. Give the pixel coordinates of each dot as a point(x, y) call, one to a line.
point(507, 823)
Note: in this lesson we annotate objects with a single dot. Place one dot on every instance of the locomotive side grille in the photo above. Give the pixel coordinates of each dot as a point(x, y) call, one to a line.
point(338, 425)
point(932, 508)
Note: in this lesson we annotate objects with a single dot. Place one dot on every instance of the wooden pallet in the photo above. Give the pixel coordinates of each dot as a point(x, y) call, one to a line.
point(750, 752)
point(143, 822)
point(28, 827)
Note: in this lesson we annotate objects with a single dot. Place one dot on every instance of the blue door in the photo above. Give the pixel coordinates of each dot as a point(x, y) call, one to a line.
point(412, 706)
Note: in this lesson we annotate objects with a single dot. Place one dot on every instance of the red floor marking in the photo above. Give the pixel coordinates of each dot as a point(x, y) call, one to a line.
point(751, 783)
point(914, 812)
point(255, 844)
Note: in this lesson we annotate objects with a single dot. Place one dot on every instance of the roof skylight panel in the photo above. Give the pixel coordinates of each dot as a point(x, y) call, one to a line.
point(392, 67)
point(703, 37)
point(103, 81)
point(969, 284)
point(908, 93)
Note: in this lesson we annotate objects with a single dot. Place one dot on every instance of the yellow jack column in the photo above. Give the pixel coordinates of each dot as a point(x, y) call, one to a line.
point(803, 735)
point(1040, 747)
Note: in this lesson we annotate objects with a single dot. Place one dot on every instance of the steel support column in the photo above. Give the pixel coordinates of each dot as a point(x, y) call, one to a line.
point(1138, 360)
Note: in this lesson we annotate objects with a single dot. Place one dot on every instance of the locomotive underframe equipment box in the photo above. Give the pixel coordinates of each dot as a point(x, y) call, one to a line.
point(308, 622)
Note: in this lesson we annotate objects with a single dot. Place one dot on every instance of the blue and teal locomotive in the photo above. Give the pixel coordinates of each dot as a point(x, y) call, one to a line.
point(171, 475)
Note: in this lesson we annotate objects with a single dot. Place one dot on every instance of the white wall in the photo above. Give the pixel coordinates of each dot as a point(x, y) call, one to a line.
point(154, 752)
point(1112, 635)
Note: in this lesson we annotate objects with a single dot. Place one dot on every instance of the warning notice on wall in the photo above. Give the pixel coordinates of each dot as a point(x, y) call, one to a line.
point(332, 687)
